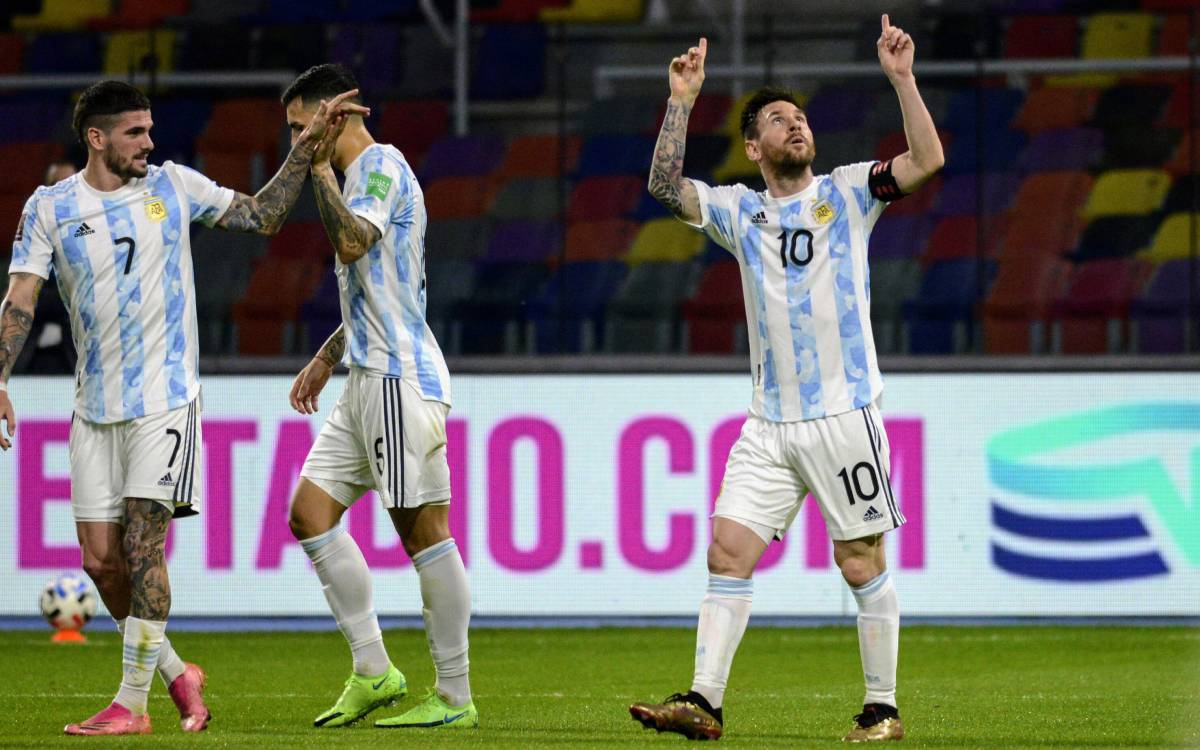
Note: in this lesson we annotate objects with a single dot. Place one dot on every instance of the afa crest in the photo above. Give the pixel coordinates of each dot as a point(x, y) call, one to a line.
point(156, 210)
point(823, 212)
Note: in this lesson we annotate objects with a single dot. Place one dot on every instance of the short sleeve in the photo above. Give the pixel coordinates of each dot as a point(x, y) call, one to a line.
point(853, 178)
point(207, 201)
point(718, 207)
point(379, 187)
point(32, 250)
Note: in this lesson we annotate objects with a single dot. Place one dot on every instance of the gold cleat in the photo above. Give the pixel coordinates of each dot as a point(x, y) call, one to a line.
point(877, 723)
point(687, 714)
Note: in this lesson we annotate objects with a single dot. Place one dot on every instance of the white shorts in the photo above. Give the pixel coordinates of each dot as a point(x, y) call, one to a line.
point(383, 436)
point(843, 460)
point(150, 458)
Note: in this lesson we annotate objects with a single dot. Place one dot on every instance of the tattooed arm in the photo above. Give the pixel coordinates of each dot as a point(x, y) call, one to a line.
point(686, 75)
point(16, 320)
point(265, 211)
point(312, 379)
point(352, 236)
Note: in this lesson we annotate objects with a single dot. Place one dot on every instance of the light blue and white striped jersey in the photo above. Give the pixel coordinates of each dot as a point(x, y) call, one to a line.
point(807, 290)
point(383, 292)
point(124, 265)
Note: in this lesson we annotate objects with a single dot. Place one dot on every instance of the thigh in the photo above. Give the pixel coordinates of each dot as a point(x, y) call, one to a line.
point(161, 454)
point(338, 462)
point(97, 473)
point(409, 445)
point(760, 484)
point(844, 459)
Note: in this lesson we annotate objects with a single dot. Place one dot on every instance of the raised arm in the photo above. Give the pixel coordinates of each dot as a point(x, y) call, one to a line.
point(352, 235)
point(16, 319)
point(924, 155)
point(265, 211)
point(686, 75)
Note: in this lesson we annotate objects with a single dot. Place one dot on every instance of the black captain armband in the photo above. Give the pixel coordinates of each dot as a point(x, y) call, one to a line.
point(881, 182)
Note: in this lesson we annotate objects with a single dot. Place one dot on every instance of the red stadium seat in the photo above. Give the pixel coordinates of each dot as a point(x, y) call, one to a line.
point(715, 313)
point(11, 48)
point(608, 197)
point(1092, 316)
point(1051, 108)
point(953, 238)
point(1042, 36)
point(458, 197)
point(514, 11)
point(1045, 216)
point(272, 301)
point(538, 156)
point(25, 165)
point(709, 115)
point(607, 239)
point(303, 241)
point(1022, 295)
point(1173, 36)
point(412, 126)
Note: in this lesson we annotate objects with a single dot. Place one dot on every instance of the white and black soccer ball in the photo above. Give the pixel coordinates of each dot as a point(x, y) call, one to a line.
point(68, 602)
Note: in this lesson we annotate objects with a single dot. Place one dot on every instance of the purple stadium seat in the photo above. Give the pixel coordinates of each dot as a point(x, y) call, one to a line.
point(898, 237)
point(958, 194)
point(470, 155)
point(838, 108)
point(372, 52)
point(1068, 149)
point(523, 242)
point(1158, 315)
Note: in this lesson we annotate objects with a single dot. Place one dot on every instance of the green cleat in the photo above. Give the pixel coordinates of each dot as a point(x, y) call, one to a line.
point(362, 696)
point(434, 712)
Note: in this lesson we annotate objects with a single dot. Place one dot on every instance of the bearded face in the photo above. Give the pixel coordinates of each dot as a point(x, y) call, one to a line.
point(784, 144)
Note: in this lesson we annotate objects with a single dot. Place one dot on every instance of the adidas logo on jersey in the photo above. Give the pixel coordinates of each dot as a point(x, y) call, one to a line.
point(84, 230)
point(872, 514)
point(759, 218)
point(166, 480)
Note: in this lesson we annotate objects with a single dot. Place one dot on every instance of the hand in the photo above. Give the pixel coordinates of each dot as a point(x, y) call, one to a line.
point(895, 50)
point(307, 386)
point(329, 141)
point(686, 73)
point(325, 115)
point(10, 421)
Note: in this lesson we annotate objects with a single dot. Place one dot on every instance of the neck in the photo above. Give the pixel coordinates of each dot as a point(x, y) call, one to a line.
point(353, 142)
point(782, 185)
point(97, 175)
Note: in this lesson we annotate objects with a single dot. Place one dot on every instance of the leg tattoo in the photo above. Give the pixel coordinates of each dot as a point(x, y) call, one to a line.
point(145, 541)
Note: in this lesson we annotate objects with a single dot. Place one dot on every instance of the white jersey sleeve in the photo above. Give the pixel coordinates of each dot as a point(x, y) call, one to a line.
point(376, 192)
point(32, 250)
point(207, 201)
point(854, 178)
point(718, 212)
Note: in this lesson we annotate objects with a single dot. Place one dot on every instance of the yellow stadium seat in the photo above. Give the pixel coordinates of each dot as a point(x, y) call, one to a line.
point(603, 11)
point(63, 15)
point(735, 164)
point(127, 49)
point(664, 240)
point(1127, 192)
point(1108, 36)
point(1171, 241)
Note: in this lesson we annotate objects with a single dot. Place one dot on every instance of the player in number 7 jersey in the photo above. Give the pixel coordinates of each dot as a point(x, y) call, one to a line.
point(813, 424)
point(117, 236)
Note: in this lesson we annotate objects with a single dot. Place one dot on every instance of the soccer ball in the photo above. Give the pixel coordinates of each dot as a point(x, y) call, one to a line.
point(68, 602)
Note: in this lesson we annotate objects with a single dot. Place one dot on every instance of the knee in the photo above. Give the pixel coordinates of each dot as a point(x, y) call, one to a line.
point(722, 561)
point(103, 572)
point(301, 527)
point(859, 571)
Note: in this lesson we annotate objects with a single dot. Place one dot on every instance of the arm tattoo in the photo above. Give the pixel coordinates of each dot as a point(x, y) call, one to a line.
point(15, 324)
point(334, 347)
point(145, 541)
point(351, 235)
point(666, 168)
point(265, 211)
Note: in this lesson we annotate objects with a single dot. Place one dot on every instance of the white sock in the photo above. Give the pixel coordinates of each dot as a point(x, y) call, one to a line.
point(346, 581)
point(724, 613)
point(142, 641)
point(446, 607)
point(878, 637)
point(170, 665)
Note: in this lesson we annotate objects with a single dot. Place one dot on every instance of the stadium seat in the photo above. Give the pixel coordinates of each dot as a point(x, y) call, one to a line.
point(1045, 218)
point(488, 321)
point(285, 12)
point(664, 240)
point(898, 236)
point(607, 239)
point(704, 153)
point(1041, 36)
point(131, 51)
point(736, 166)
point(373, 52)
point(1174, 33)
point(514, 11)
point(12, 48)
point(893, 280)
point(457, 240)
point(641, 316)
point(1113, 237)
point(1184, 195)
point(244, 124)
point(1001, 148)
point(1050, 108)
point(1175, 114)
point(1016, 310)
point(268, 309)
point(321, 313)
point(63, 53)
point(838, 149)
point(939, 319)
point(178, 122)
point(1069, 149)
point(1183, 159)
point(1138, 147)
point(433, 77)
point(370, 11)
point(24, 168)
point(224, 12)
point(225, 48)
point(526, 198)
point(567, 315)
point(1133, 104)
point(918, 203)
point(835, 108)
point(523, 242)
point(510, 62)
point(602, 11)
point(141, 14)
point(454, 156)
point(604, 197)
point(304, 241)
point(1000, 105)
point(895, 143)
point(457, 197)
point(301, 46)
point(539, 156)
point(221, 265)
point(1091, 315)
point(886, 117)
point(960, 194)
point(715, 315)
point(1117, 35)
point(448, 283)
point(63, 15)
point(412, 126)
point(953, 238)
point(1161, 318)
point(1173, 239)
point(1121, 192)
point(615, 154)
point(632, 115)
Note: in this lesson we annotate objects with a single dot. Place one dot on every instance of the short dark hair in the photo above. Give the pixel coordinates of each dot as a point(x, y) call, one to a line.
point(100, 103)
point(319, 82)
point(762, 98)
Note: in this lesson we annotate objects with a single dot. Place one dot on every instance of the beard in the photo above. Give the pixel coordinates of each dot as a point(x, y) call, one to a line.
point(123, 169)
point(789, 165)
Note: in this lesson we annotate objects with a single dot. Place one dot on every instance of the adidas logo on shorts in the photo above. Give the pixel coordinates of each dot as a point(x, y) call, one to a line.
point(872, 514)
point(165, 480)
point(84, 230)
point(759, 218)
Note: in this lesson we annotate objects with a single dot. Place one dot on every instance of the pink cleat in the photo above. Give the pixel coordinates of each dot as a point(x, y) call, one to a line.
point(116, 719)
point(187, 690)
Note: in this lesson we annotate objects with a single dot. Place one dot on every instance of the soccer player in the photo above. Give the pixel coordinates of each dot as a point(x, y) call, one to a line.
point(116, 234)
point(813, 424)
point(387, 431)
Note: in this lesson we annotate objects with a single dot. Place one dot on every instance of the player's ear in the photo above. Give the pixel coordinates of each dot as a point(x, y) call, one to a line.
point(753, 153)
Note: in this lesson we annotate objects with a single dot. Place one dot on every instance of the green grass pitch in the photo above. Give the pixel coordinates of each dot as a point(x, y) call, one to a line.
point(1003, 687)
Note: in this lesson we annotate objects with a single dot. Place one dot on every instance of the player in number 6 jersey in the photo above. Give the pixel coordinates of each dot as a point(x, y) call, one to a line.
point(813, 424)
point(117, 235)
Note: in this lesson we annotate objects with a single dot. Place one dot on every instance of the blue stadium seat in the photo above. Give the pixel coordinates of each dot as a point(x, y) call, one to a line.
point(63, 53)
point(510, 62)
point(999, 107)
point(489, 320)
point(567, 316)
point(1001, 149)
point(939, 318)
point(615, 154)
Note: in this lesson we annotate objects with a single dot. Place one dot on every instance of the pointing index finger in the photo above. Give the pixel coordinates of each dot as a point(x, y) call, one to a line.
point(886, 22)
point(703, 48)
